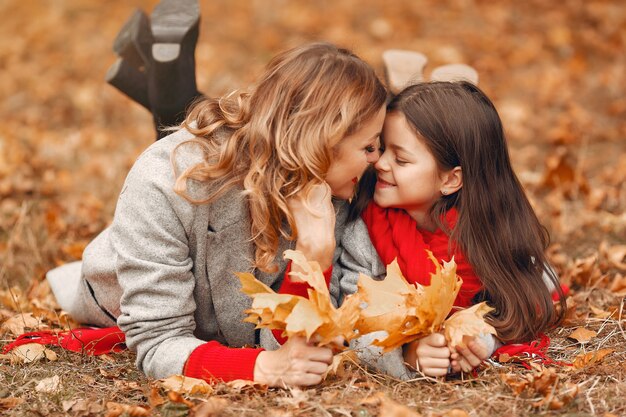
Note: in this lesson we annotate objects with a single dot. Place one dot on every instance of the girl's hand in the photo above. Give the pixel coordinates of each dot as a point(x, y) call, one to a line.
point(314, 215)
point(296, 363)
point(467, 358)
point(429, 355)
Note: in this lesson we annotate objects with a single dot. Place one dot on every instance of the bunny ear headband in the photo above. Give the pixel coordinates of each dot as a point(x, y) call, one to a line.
point(404, 68)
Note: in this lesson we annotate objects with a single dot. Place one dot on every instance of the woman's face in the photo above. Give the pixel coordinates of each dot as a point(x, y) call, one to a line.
point(353, 155)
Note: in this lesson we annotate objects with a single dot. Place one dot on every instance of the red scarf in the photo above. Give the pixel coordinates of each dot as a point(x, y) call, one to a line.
point(395, 235)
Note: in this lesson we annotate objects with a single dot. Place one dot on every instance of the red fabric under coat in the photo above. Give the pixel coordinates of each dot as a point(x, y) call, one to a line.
point(395, 234)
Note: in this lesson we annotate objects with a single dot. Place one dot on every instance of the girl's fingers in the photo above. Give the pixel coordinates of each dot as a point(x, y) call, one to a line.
point(478, 349)
point(469, 357)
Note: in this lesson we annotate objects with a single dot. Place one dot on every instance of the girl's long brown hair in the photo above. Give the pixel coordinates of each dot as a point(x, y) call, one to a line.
point(280, 136)
point(497, 228)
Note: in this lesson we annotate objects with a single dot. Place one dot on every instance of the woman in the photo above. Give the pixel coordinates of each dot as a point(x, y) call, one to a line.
point(228, 192)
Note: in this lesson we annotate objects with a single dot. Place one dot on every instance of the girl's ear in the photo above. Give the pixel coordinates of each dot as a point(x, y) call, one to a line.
point(452, 181)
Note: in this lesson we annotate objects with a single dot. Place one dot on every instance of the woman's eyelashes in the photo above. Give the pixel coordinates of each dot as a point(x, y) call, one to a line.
point(373, 147)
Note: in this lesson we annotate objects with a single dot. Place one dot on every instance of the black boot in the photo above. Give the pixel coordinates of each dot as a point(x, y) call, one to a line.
point(157, 64)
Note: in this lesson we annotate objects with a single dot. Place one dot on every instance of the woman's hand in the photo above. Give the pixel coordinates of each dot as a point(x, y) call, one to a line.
point(469, 357)
point(314, 214)
point(296, 363)
point(429, 355)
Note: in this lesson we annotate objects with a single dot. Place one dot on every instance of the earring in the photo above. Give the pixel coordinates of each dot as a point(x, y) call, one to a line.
point(444, 192)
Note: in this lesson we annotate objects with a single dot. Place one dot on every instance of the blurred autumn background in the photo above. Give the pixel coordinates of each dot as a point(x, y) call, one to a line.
point(555, 70)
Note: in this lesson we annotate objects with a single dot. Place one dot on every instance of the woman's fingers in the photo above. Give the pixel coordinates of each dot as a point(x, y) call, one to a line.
point(431, 363)
point(294, 363)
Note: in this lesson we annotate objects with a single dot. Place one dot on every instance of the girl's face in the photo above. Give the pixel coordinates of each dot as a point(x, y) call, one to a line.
point(408, 175)
point(353, 155)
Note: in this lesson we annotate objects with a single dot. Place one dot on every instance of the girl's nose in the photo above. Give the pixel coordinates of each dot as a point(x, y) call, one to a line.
point(381, 164)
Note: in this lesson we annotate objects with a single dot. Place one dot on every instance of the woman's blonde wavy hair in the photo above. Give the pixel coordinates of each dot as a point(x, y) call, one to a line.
point(281, 136)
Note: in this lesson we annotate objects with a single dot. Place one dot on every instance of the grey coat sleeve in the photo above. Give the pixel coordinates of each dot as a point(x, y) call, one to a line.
point(154, 268)
point(358, 256)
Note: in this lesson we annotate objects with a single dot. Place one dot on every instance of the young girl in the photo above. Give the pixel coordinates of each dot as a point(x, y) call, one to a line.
point(216, 197)
point(444, 182)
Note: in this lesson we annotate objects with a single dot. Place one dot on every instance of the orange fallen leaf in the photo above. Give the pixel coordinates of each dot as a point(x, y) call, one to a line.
point(243, 385)
point(10, 402)
point(185, 384)
point(591, 358)
point(116, 409)
point(582, 335)
point(469, 322)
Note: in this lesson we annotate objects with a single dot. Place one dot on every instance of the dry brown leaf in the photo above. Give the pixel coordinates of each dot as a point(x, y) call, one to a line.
point(561, 173)
point(515, 382)
point(337, 366)
point(177, 398)
point(404, 311)
point(31, 352)
point(10, 402)
point(618, 285)
point(588, 359)
point(469, 322)
point(240, 385)
point(582, 335)
point(545, 382)
point(117, 409)
point(212, 407)
point(155, 399)
point(185, 384)
point(18, 324)
point(599, 313)
point(616, 255)
point(49, 385)
point(388, 407)
point(299, 316)
point(585, 271)
point(83, 407)
point(455, 413)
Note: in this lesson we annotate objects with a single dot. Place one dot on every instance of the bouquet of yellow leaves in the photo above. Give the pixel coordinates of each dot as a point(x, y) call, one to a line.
point(406, 312)
point(409, 312)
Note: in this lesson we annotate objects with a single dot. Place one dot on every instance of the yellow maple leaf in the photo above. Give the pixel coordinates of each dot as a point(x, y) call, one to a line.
point(299, 316)
point(407, 312)
point(469, 322)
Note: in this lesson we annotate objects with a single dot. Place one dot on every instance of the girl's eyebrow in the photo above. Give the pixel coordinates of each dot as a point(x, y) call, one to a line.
point(398, 148)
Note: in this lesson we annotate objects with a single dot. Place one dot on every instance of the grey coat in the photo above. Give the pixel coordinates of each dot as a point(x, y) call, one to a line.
point(163, 270)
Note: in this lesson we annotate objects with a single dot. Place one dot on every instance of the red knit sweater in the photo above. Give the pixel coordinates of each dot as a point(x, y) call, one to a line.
point(395, 234)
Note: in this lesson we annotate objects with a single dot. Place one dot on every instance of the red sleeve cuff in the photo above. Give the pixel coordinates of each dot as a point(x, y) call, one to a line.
point(213, 361)
point(297, 288)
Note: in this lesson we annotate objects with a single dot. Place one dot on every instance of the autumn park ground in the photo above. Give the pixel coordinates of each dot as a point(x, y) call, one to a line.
point(556, 71)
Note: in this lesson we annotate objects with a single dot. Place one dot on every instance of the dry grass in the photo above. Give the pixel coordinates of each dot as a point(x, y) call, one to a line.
point(557, 74)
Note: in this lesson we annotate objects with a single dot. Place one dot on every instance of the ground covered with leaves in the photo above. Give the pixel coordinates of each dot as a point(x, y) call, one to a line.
point(556, 71)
